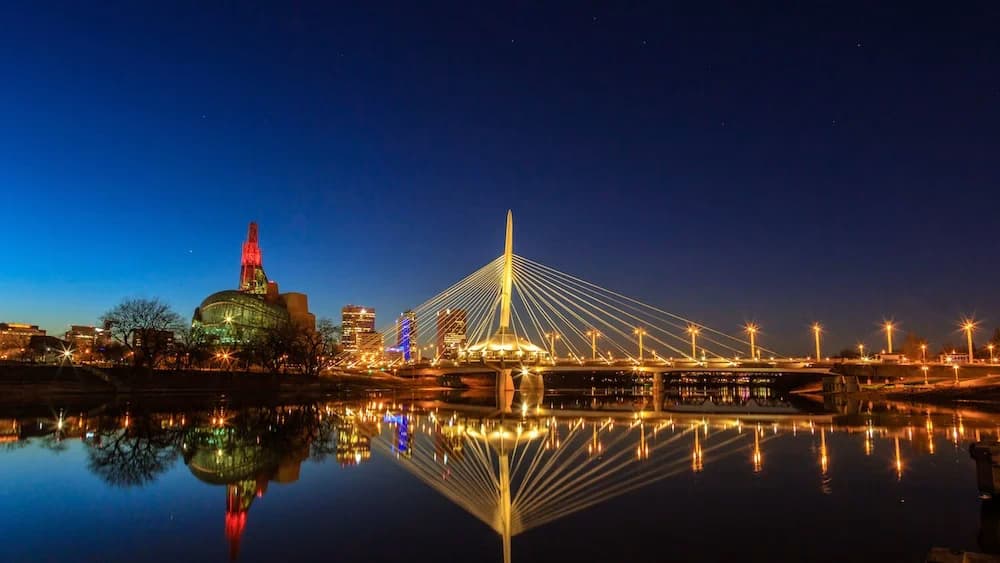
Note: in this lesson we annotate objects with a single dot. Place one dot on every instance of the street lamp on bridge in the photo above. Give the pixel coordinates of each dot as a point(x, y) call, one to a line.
point(923, 352)
point(593, 334)
point(992, 357)
point(640, 332)
point(861, 350)
point(552, 336)
point(751, 329)
point(888, 335)
point(693, 331)
point(816, 331)
point(969, 325)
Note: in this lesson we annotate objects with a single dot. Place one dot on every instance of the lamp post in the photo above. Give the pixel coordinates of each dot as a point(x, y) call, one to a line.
point(888, 336)
point(552, 345)
point(992, 358)
point(969, 326)
point(640, 332)
point(923, 353)
point(593, 334)
point(816, 330)
point(861, 350)
point(751, 330)
point(693, 331)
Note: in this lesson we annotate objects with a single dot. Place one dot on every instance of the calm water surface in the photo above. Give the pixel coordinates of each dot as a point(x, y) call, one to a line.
point(571, 477)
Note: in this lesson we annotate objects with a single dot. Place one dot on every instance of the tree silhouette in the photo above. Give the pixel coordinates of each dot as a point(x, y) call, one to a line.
point(133, 455)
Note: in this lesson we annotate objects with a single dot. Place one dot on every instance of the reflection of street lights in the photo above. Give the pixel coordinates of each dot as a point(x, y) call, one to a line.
point(924, 369)
point(956, 373)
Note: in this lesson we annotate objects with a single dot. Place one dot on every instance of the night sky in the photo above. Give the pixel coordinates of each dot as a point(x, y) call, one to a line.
point(753, 164)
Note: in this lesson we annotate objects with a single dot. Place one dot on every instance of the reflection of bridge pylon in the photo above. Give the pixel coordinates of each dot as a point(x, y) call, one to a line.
point(517, 474)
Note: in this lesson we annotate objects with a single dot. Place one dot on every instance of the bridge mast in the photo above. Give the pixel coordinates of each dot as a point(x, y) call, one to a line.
point(507, 278)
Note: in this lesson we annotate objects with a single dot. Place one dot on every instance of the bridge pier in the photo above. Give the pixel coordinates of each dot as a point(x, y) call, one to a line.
point(505, 389)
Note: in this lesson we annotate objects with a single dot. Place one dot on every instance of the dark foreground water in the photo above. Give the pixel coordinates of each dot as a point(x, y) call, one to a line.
point(582, 478)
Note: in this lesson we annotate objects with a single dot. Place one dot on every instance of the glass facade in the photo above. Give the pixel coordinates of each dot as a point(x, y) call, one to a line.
point(233, 317)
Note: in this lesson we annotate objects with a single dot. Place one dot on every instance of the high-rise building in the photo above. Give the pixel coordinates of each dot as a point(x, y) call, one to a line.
point(406, 334)
point(450, 332)
point(355, 320)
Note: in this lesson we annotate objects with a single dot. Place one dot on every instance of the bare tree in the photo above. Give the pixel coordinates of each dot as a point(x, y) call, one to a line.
point(144, 326)
point(190, 347)
point(272, 348)
point(314, 348)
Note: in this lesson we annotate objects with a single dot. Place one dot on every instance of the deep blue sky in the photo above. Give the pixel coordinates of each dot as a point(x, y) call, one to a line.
point(753, 164)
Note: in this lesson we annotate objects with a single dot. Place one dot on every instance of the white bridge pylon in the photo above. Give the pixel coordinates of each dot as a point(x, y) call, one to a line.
point(517, 309)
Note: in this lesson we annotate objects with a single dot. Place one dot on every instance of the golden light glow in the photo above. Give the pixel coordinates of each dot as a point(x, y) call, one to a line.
point(889, 326)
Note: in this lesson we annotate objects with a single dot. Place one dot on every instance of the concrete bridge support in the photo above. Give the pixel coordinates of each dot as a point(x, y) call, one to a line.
point(505, 389)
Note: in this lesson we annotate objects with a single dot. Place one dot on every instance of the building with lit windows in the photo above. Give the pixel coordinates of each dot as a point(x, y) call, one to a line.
point(85, 341)
point(406, 335)
point(355, 321)
point(450, 332)
point(371, 348)
point(15, 337)
point(238, 316)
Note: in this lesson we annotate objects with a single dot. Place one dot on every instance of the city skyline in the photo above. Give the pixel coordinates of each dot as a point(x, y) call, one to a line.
point(375, 154)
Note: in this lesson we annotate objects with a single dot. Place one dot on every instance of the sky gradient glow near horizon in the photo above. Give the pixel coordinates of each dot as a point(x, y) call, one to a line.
point(720, 173)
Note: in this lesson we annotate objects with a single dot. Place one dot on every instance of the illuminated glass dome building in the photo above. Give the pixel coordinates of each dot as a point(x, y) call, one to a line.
point(238, 316)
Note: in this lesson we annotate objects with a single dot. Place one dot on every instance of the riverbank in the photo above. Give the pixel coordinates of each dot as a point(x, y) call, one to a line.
point(983, 396)
point(69, 384)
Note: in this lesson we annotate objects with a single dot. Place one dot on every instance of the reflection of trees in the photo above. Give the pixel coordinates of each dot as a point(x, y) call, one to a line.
point(135, 449)
point(133, 453)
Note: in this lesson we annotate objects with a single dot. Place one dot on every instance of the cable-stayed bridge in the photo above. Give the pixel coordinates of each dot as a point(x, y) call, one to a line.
point(517, 312)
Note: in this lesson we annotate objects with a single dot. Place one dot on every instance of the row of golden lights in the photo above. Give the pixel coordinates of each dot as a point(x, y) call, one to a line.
point(701, 430)
point(752, 330)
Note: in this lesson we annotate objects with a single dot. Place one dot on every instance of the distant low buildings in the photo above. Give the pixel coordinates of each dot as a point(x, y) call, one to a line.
point(954, 358)
point(15, 337)
point(86, 341)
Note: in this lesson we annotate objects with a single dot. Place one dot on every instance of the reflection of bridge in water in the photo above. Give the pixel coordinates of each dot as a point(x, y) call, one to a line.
point(516, 473)
point(513, 472)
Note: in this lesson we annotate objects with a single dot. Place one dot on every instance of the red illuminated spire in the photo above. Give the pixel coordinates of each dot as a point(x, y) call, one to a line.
point(236, 518)
point(252, 264)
